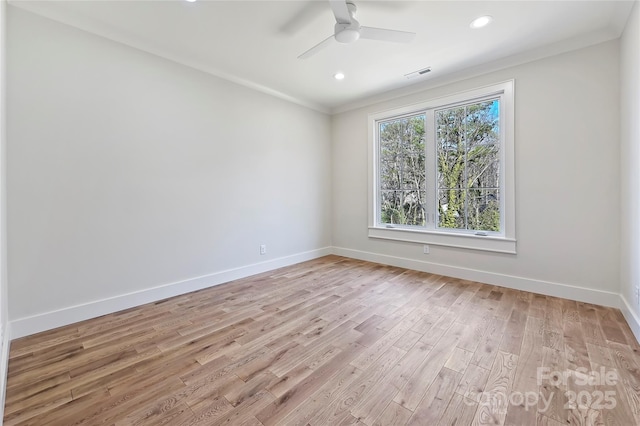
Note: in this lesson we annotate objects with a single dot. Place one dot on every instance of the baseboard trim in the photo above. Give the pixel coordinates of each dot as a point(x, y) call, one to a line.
point(49, 320)
point(580, 294)
point(632, 319)
point(4, 366)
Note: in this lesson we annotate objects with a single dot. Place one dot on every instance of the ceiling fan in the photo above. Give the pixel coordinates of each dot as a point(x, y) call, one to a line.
point(347, 29)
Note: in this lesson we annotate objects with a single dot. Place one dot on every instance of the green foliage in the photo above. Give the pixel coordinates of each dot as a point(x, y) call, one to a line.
point(468, 179)
point(489, 218)
point(402, 171)
point(468, 167)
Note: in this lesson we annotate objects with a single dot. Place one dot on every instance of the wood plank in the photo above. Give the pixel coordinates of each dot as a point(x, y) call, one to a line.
point(303, 354)
point(366, 383)
point(330, 341)
point(473, 383)
point(581, 409)
point(393, 415)
point(627, 389)
point(599, 356)
point(407, 340)
point(492, 408)
point(244, 412)
point(372, 353)
point(543, 420)
point(369, 408)
point(488, 347)
point(437, 398)
point(552, 388)
point(238, 394)
point(460, 411)
point(575, 346)
point(411, 394)
point(323, 396)
point(525, 382)
point(276, 411)
point(459, 360)
point(407, 366)
point(514, 331)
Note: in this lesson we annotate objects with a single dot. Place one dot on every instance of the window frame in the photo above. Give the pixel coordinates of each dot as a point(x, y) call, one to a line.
point(502, 242)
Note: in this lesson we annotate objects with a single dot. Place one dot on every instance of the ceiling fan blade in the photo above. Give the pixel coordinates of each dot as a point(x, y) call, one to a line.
point(340, 11)
point(386, 35)
point(315, 49)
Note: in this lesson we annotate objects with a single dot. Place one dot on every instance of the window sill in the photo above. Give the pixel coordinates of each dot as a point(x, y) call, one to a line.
point(471, 242)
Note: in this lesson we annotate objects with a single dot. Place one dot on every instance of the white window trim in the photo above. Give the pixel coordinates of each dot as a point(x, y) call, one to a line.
point(502, 243)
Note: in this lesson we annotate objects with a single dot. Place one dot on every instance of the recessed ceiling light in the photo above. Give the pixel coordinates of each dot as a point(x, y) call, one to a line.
point(191, 1)
point(481, 21)
point(338, 76)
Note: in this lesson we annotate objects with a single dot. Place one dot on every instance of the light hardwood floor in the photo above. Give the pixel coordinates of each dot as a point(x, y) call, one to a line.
point(329, 342)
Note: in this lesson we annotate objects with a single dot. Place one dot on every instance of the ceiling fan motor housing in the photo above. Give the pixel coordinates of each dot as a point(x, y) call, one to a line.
point(347, 33)
point(347, 29)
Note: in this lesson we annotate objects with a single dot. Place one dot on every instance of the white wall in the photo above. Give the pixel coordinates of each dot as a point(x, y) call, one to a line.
point(4, 327)
point(128, 171)
point(567, 181)
point(630, 159)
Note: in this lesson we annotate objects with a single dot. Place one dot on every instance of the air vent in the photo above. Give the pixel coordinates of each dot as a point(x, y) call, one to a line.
point(418, 73)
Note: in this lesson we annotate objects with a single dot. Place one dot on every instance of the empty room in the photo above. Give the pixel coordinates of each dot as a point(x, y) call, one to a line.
point(319, 212)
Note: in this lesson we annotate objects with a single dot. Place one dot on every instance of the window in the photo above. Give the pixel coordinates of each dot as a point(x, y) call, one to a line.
point(442, 172)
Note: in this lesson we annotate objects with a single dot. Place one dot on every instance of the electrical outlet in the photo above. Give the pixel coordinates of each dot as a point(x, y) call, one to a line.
point(425, 249)
point(637, 294)
point(263, 249)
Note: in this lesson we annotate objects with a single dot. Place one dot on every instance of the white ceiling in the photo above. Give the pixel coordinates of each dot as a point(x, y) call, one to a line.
point(256, 43)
